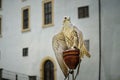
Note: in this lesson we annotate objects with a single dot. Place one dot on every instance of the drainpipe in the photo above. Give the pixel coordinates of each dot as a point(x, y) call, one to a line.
point(99, 8)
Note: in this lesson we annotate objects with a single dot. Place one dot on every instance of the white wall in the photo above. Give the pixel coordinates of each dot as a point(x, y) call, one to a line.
point(39, 40)
point(110, 40)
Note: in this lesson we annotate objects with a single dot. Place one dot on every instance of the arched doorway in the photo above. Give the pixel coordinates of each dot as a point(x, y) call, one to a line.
point(48, 70)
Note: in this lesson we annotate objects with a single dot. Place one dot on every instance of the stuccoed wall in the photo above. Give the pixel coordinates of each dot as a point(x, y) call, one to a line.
point(39, 40)
point(110, 40)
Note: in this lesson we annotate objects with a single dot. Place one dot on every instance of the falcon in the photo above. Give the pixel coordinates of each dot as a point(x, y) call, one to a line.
point(69, 37)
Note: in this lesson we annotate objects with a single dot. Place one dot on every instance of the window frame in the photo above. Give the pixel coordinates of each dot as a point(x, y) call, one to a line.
point(25, 52)
point(42, 67)
point(49, 69)
point(83, 12)
point(28, 27)
point(43, 13)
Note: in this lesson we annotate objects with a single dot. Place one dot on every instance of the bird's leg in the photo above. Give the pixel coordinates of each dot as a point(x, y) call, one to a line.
point(73, 76)
point(67, 76)
point(78, 69)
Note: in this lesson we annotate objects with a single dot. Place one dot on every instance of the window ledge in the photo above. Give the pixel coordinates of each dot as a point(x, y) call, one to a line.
point(48, 25)
point(25, 30)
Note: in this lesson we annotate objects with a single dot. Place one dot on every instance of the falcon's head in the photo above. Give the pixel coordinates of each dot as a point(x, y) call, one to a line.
point(66, 21)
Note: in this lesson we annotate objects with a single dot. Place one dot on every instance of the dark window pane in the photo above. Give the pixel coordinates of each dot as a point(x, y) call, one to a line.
point(25, 51)
point(48, 13)
point(50, 7)
point(25, 19)
point(48, 70)
point(83, 12)
point(86, 11)
point(50, 18)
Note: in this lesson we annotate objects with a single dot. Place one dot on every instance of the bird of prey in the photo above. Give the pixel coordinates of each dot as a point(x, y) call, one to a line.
point(69, 37)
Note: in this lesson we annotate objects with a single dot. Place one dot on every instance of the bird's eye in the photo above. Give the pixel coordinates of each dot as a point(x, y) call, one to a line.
point(65, 17)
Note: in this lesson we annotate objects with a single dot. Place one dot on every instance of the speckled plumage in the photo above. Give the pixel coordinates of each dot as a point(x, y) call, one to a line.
point(69, 37)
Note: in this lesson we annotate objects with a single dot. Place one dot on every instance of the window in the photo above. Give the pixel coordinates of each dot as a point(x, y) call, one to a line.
point(0, 26)
point(47, 13)
point(25, 18)
point(25, 52)
point(0, 4)
point(83, 12)
point(86, 42)
point(48, 70)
